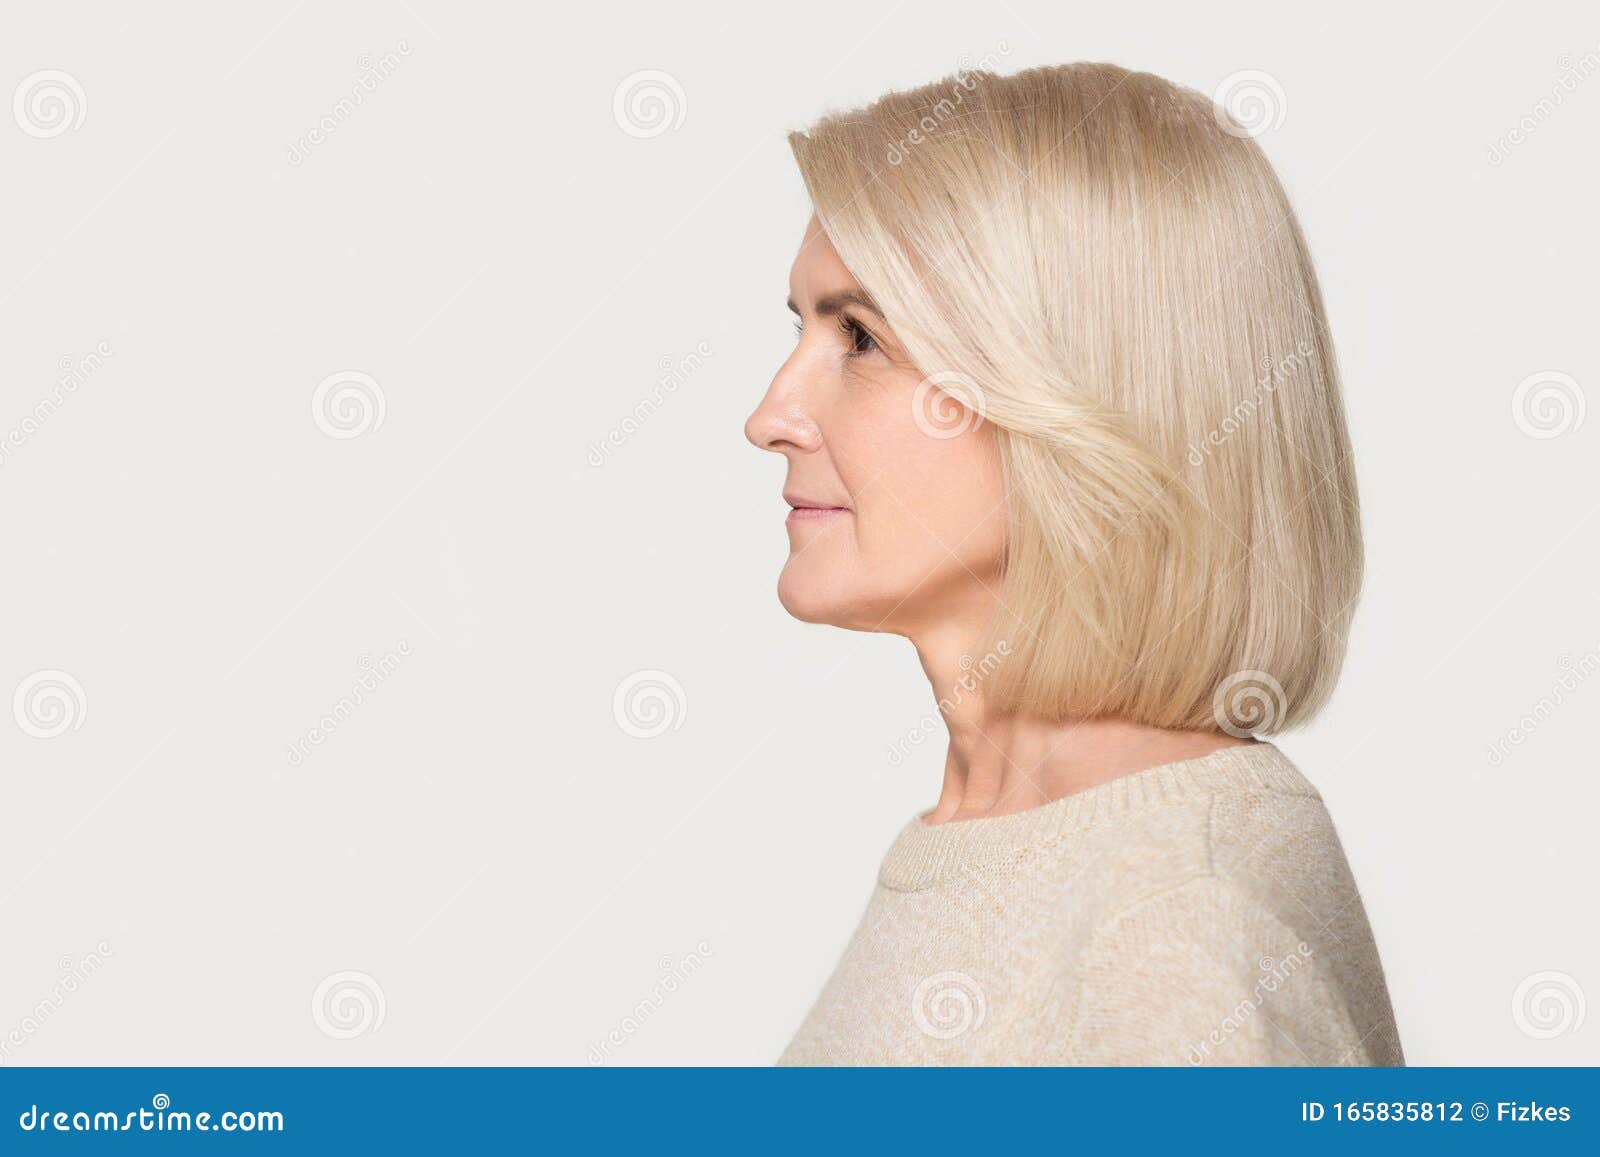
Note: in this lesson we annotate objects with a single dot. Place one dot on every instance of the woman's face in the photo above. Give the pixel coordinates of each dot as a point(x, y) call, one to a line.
point(898, 503)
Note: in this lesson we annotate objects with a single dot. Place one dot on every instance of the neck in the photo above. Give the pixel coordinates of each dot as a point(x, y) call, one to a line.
point(1000, 762)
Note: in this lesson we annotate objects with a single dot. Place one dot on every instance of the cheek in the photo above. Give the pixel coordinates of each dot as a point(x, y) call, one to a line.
point(931, 498)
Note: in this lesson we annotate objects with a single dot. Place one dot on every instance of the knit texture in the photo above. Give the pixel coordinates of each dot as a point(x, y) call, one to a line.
point(1197, 913)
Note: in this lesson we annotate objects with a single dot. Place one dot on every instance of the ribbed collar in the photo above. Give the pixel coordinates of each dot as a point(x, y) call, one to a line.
point(921, 856)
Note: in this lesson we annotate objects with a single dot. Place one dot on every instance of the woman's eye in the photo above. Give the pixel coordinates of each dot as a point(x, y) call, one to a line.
point(861, 341)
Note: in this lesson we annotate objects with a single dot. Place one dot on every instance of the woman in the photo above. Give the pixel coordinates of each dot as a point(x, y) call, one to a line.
point(1063, 412)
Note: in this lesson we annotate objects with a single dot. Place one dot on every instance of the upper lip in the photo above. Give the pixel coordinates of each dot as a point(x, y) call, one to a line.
point(801, 503)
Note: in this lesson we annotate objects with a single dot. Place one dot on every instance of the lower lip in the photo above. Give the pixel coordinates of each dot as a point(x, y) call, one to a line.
point(815, 513)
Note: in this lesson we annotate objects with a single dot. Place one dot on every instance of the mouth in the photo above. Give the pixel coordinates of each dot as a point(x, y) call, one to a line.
point(807, 510)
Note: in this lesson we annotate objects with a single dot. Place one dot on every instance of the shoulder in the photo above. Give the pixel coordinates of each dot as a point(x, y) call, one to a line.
point(1207, 973)
point(1212, 918)
point(1253, 833)
point(1249, 945)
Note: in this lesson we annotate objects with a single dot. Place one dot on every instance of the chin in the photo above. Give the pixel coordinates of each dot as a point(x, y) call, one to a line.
point(808, 600)
point(809, 596)
point(810, 589)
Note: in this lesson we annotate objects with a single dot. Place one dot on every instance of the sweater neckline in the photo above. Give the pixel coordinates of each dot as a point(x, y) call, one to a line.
point(922, 855)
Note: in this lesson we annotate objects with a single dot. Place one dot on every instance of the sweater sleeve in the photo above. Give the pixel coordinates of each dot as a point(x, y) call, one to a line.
point(1206, 974)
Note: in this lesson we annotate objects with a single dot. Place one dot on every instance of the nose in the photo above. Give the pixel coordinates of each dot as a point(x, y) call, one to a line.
point(782, 422)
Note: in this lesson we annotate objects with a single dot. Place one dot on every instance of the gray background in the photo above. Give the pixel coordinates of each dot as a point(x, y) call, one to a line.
point(511, 872)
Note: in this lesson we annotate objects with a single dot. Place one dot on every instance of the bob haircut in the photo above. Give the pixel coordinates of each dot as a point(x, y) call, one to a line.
point(1103, 266)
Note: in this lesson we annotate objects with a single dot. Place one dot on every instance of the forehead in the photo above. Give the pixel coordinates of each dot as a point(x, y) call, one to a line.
point(817, 267)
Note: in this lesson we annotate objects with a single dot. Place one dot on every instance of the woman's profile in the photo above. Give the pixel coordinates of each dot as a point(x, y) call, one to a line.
point(1064, 412)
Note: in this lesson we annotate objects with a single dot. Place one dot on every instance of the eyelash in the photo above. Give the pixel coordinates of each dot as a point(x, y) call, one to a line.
point(857, 334)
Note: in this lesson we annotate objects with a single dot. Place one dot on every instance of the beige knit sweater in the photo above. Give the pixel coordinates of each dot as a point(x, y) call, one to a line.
point(1200, 912)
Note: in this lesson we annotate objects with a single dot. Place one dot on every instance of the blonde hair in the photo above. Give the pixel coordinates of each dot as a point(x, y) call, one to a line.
point(1103, 265)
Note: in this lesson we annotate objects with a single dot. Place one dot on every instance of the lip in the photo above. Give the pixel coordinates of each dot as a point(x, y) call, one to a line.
point(807, 510)
point(815, 513)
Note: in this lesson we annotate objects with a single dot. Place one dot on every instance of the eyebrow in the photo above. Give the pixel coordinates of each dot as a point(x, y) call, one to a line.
point(833, 304)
